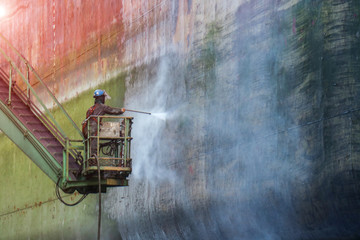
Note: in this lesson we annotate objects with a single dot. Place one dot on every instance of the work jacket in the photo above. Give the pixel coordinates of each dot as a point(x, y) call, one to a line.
point(100, 109)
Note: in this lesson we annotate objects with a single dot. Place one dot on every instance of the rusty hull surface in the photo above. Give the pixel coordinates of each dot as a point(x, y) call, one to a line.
point(261, 135)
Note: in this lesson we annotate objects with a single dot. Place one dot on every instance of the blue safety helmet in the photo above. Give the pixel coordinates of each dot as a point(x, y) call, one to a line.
point(98, 93)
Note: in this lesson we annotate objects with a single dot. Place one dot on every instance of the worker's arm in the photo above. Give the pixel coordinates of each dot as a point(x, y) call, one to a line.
point(113, 111)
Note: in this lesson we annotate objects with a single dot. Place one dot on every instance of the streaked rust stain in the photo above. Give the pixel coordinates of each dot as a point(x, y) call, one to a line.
point(68, 36)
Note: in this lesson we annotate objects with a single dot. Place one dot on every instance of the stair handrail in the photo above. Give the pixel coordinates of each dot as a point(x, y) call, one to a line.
point(33, 91)
point(43, 84)
point(50, 126)
point(40, 115)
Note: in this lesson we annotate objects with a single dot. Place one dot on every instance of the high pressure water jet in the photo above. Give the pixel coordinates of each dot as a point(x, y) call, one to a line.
point(161, 116)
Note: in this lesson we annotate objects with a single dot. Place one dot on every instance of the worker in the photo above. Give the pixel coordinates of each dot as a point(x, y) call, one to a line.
point(98, 109)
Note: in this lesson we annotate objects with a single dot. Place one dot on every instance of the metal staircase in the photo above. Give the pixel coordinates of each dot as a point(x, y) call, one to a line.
point(24, 116)
point(38, 135)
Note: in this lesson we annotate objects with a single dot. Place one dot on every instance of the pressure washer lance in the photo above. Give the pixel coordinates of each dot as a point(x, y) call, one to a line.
point(128, 110)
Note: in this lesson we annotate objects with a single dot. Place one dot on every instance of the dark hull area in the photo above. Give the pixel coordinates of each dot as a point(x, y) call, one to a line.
point(255, 125)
